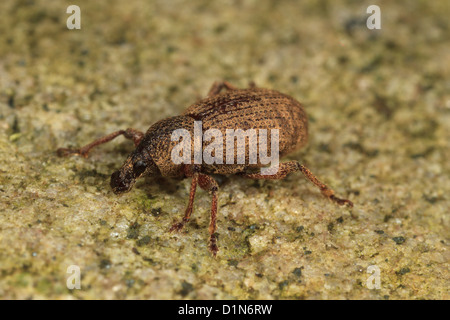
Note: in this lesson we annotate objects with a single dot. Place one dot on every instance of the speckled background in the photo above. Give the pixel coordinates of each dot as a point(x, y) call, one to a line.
point(379, 108)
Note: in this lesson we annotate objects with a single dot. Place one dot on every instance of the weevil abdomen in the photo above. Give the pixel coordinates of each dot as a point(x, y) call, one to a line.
point(253, 108)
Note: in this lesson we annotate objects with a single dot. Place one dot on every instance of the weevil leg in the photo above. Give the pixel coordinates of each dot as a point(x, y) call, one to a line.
point(218, 86)
point(189, 171)
point(187, 214)
point(206, 183)
point(324, 189)
point(293, 166)
point(209, 184)
point(129, 133)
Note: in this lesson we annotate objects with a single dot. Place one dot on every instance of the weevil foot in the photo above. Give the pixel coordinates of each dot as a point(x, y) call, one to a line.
point(64, 152)
point(327, 192)
point(177, 227)
point(214, 249)
point(213, 245)
point(341, 202)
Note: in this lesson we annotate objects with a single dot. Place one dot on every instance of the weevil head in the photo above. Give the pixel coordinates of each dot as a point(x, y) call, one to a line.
point(152, 156)
point(135, 166)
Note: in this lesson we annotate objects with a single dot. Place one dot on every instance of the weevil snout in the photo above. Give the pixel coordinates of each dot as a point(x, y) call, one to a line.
point(135, 167)
point(121, 182)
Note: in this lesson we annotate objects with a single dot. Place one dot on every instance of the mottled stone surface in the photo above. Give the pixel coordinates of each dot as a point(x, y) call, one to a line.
point(379, 108)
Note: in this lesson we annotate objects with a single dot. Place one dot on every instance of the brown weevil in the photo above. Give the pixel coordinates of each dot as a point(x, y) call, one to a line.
point(233, 109)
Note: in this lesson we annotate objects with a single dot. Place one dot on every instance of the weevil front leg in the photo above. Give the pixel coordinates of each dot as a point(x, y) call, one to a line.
point(206, 183)
point(129, 133)
point(293, 166)
point(187, 214)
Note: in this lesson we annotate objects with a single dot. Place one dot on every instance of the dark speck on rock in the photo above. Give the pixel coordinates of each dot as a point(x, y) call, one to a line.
point(298, 271)
point(156, 212)
point(330, 226)
point(129, 282)
point(403, 271)
point(233, 263)
point(399, 240)
point(105, 264)
point(143, 241)
point(186, 288)
point(133, 231)
point(11, 101)
point(283, 284)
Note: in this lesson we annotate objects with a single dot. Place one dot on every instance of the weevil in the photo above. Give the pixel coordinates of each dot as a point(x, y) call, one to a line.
point(225, 107)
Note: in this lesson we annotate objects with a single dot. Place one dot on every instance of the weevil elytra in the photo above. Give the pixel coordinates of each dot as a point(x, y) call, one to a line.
point(235, 108)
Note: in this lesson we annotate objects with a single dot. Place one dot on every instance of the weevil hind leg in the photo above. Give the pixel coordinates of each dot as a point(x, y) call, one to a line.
point(217, 87)
point(293, 166)
point(129, 133)
point(324, 189)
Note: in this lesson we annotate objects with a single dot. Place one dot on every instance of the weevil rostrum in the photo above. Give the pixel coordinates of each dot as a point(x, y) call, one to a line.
point(226, 107)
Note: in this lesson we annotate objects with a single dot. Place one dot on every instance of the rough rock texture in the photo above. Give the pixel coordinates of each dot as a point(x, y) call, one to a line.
point(379, 109)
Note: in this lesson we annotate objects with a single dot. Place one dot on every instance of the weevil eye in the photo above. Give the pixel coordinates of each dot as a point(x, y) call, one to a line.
point(139, 168)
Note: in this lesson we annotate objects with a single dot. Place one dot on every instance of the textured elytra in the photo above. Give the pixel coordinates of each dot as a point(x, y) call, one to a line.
point(255, 108)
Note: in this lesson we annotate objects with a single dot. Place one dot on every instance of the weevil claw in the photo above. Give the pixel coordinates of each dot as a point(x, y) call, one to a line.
point(65, 152)
point(176, 227)
point(213, 245)
point(341, 202)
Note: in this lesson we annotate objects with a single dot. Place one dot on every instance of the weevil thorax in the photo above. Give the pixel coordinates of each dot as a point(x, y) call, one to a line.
point(152, 157)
